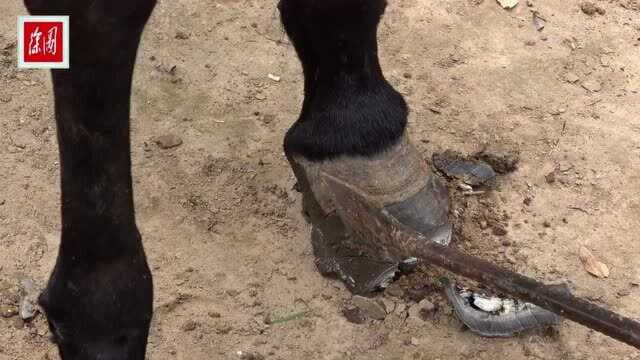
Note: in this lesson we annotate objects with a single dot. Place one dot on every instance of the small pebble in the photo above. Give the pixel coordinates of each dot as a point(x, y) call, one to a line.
point(268, 118)
point(498, 230)
point(168, 141)
point(592, 85)
point(394, 290)
point(623, 293)
point(401, 308)
point(28, 309)
point(550, 177)
point(354, 315)
point(247, 355)
point(8, 311)
point(30, 293)
point(274, 77)
point(223, 329)
point(571, 78)
point(388, 305)
point(181, 35)
point(369, 307)
point(422, 310)
point(590, 8)
point(189, 325)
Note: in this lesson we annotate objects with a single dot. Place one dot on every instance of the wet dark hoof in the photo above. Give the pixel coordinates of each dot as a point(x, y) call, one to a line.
point(337, 256)
point(353, 203)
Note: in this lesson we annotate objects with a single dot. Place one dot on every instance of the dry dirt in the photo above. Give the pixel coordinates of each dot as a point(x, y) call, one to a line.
point(222, 226)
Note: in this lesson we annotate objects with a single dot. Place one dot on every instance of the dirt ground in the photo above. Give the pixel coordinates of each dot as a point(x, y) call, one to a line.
point(222, 225)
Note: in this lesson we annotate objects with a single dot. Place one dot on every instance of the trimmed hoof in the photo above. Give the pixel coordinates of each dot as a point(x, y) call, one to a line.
point(346, 197)
point(498, 317)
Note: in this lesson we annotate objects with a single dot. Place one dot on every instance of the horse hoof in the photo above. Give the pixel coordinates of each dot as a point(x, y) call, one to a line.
point(352, 201)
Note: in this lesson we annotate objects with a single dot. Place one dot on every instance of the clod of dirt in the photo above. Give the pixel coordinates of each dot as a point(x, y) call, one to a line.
point(422, 310)
point(223, 329)
point(168, 69)
point(389, 306)
point(181, 35)
point(394, 290)
point(248, 355)
point(623, 293)
point(592, 265)
point(550, 178)
point(470, 171)
point(189, 325)
point(168, 141)
point(502, 164)
point(571, 78)
point(268, 118)
point(508, 4)
point(591, 9)
point(538, 22)
point(498, 230)
point(592, 85)
point(369, 308)
point(354, 315)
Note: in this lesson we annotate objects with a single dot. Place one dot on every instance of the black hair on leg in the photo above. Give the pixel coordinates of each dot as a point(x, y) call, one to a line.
point(349, 108)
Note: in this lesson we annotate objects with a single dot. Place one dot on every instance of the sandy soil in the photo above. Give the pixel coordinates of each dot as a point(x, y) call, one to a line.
point(222, 225)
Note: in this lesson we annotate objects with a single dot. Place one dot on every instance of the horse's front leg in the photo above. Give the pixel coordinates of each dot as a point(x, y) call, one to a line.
point(99, 298)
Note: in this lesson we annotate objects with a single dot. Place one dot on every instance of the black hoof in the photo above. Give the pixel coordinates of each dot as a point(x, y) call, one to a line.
point(337, 256)
point(346, 197)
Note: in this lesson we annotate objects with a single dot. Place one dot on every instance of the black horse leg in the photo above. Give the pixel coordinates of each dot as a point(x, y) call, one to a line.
point(99, 298)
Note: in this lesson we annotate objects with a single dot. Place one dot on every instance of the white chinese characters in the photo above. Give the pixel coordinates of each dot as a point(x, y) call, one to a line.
point(52, 38)
point(34, 42)
point(41, 45)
